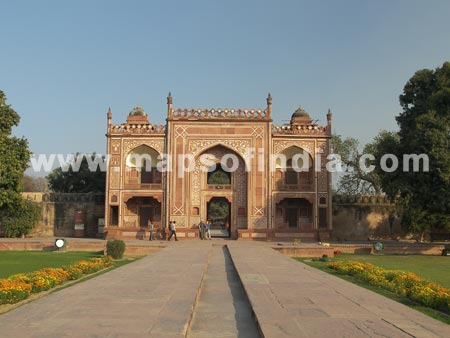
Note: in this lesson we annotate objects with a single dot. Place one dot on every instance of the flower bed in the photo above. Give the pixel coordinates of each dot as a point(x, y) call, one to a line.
point(20, 286)
point(402, 283)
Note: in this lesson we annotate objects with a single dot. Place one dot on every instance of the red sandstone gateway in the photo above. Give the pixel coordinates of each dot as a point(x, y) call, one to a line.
point(262, 198)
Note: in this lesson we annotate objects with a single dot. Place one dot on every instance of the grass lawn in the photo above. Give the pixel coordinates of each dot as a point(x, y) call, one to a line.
point(12, 262)
point(434, 268)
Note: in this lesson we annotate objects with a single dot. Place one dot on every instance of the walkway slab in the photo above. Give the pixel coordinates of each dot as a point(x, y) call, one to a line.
point(291, 299)
point(152, 297)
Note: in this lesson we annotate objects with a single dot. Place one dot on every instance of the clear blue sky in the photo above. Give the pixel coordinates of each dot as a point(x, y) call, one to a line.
point(63, 63)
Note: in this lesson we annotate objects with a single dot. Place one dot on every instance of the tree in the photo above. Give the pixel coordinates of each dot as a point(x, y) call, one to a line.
point(14, 157)
point(219, 176)
point(67, 180)
point(34, 184)
point(386, 142)
point(424, 129)
point(21, 223)
point(218, 209)
point(355, 180)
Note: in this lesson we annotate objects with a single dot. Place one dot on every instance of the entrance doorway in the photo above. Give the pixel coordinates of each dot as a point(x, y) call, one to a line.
point(218, 213)
point(145, 213)
point(295, 213)
point(292, 217)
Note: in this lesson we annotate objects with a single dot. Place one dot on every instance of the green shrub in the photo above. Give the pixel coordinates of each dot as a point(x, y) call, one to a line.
point(324, 258)
point(21, 219)
point(115, 248)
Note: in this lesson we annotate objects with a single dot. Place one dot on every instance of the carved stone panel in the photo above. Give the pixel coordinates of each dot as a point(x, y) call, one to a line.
point(114, 178)
point(114, 160)
point(323, 181)
point(157, 144)
point(115, 146)
point(279, 146)
point(240, 146)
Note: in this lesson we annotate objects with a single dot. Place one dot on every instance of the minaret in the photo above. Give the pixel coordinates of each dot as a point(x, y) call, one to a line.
point(329, 116)
point(109, 114)
point(269, 105)
point(169, 105)
point(109, 117)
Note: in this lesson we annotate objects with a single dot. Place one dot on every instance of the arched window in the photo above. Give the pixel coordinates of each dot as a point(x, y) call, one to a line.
point(142, 166)
point(296, 166)
point(219, 176)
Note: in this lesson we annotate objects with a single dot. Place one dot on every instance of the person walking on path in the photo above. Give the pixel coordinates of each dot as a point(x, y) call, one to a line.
point(150, 230)
point(173, 231)
point(208, 229)
point(201, 227)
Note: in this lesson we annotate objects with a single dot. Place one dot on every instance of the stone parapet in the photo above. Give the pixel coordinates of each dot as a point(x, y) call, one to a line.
point(125, 128)
point(309, 129)
point(220, 114)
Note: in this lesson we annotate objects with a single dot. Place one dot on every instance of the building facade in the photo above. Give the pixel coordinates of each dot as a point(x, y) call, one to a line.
point(250, 178)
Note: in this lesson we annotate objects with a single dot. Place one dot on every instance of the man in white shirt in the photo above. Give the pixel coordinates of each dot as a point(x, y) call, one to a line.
point(173, 230)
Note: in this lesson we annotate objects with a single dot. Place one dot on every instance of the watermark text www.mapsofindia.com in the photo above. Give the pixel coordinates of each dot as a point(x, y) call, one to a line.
point(230, 162)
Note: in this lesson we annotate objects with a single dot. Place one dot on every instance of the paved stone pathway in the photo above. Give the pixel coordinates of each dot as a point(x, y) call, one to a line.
point(152, 297)
point(222, 309)
point(156, 297)
point(291, 299)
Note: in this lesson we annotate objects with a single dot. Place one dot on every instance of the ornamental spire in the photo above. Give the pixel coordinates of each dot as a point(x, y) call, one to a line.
point(269, 104)
point(169, 104)
point(109, 115)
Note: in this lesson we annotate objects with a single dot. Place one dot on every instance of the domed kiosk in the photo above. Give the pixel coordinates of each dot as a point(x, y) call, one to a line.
point(300, 116)
point(138, 116)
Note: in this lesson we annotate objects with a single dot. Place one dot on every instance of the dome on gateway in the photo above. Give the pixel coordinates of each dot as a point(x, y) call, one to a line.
point(138, 111)
point(300, 113)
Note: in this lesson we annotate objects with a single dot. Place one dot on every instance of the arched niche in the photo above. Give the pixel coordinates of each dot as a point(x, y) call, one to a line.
point(294, 170)
point(142, 167)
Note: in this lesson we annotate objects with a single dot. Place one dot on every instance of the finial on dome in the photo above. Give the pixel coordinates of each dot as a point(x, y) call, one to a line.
point(329, 115)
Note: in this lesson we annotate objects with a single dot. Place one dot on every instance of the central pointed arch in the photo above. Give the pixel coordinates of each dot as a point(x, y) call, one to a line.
point(232, 168)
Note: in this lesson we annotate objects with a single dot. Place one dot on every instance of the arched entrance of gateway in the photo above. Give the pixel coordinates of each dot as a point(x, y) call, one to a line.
point(139, 210)
point(218, 213)
point(295, 213)
point(219, 181)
